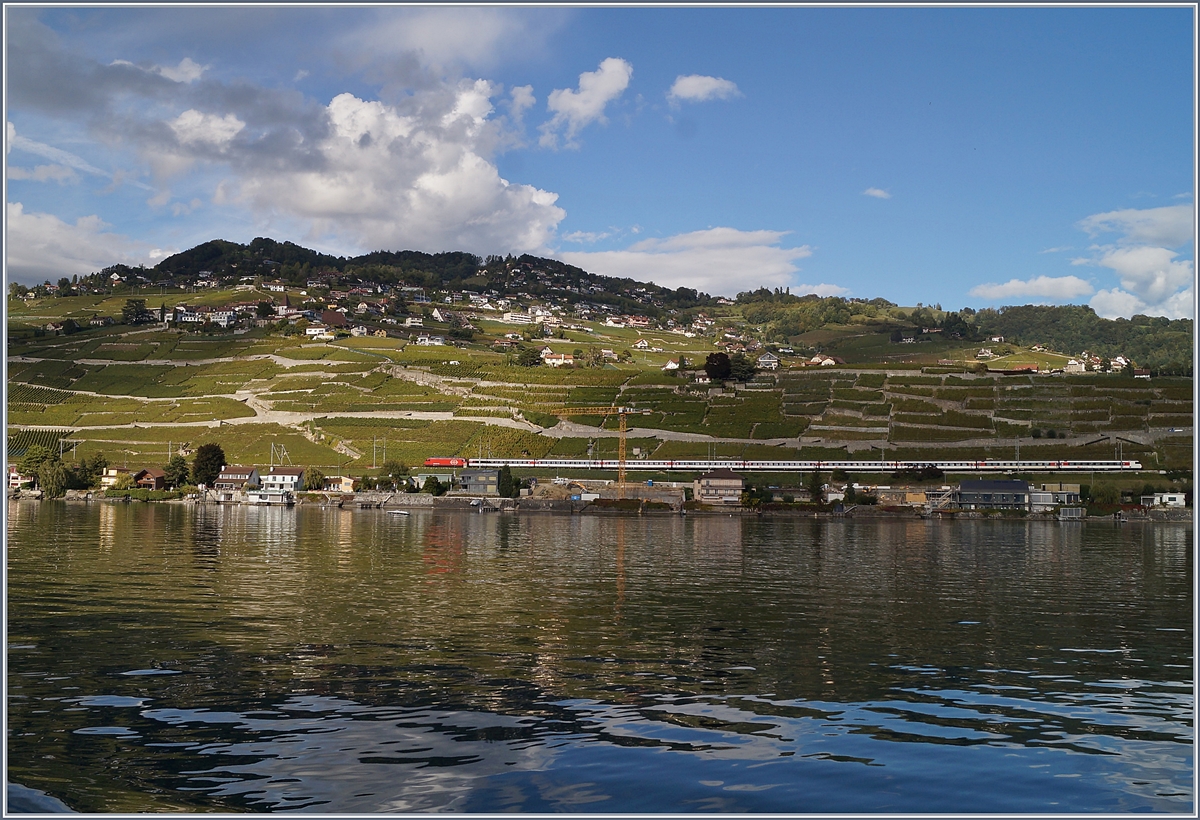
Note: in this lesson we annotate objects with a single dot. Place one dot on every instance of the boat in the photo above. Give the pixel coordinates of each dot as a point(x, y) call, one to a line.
point(397, 512)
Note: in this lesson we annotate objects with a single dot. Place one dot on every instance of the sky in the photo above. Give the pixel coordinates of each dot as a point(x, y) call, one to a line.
point(962, 157)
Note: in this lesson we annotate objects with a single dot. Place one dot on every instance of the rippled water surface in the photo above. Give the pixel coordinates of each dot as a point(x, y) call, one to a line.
point(167, 657)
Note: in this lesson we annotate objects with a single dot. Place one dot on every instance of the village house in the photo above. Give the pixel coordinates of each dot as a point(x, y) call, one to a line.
point(719, 486)
point(768, 361)
point(558, 359)
point(338, 484)
point(151, 478)
point(15, 479)
point(111, 474)
point(235, 478)
point(993, 494)
point(282, 480)
point(479, 482)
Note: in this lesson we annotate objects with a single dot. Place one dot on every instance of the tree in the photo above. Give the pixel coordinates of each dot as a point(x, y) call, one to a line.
point(394, 471)
point(816, 487)
point(124, 481)
point(529, 357)
point(741, 368)
point(433, 486)
point(176, 471)
point(133, 311)
point(504, 482)
point(1106, 494)
point(264, 310)
point(52, 478)
point(207, 464)
point(717, 366)
point(314, 479)
point(33, 459)
point(90, 470)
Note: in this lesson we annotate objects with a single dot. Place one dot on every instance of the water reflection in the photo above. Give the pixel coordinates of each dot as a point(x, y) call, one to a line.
point(351, 661)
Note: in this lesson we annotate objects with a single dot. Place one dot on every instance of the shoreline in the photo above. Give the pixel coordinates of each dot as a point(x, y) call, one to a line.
point(488, 504)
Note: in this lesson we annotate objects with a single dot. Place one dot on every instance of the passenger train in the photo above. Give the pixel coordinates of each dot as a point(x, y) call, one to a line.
point(745, 465)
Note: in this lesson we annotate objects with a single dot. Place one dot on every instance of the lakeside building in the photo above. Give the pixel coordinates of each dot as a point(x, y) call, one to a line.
point(719, 486)
point(479, 482)
point(233, 477)
point(993, 494)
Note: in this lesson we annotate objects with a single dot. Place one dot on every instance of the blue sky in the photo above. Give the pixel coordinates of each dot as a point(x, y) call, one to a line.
point(955, 156)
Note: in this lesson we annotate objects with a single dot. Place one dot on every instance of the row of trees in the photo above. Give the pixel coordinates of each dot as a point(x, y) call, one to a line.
point(54, 477)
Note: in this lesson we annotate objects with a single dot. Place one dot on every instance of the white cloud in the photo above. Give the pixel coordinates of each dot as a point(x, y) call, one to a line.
point(1058, 250)
point(187, 71)
point(522, 101)
point(1116, 303)
point(44, 173)
point(1153, 281)
point(444, 37)
point(721, 261)
point(387, 180)
point(698, 88)
point(1169, 226)
point(1152, 274)
point(194, 126)
point(585, 237)
point(576, 109)
point(43, 247)
point(878, 193)
point(1044, 287)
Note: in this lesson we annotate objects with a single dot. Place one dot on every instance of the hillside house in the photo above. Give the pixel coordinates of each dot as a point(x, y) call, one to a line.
point(768, 361)
point(558, 359)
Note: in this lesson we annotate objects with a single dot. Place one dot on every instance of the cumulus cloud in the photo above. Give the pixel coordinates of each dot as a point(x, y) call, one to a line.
point(721, 261)
point(1042, 287)
point(699, 88)
point(574, 110)
point(1169, 226)
point(1153, 280)
point(43, 247)
point(878, 193)
point(391, 180)
point(1152, 273)
point(1116, 303)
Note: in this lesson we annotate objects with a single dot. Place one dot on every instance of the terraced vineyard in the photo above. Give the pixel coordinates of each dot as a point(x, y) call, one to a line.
point(159, 387)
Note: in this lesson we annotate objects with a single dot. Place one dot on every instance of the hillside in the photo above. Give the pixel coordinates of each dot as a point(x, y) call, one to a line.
point(134, 392)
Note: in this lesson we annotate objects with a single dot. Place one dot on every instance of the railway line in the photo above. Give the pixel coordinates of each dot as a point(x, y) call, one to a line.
point(749, 465)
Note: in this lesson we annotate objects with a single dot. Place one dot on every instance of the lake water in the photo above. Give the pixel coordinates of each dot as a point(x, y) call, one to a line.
point(170, 657)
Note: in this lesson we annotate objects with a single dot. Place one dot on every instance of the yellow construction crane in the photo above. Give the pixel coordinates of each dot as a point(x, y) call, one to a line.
point(622, 412)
